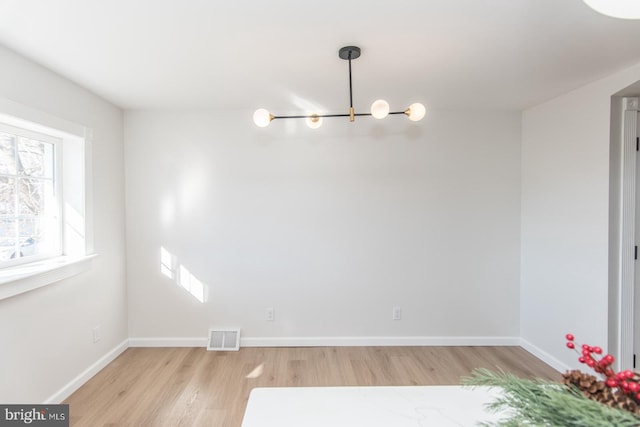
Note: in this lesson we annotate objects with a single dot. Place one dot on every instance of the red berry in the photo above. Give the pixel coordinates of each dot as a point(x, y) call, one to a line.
point(597, 350)
point(608, 372)
point(638, 396)
point(586, 353)
point(625, 386)
point(571, 345)
point(581, 359)
point(591, 363)
point(609, 358)
point(628, 374)
point(620, 376)
point(569, 337)
point(634, 387)
point(585, 347)
point(611, 383)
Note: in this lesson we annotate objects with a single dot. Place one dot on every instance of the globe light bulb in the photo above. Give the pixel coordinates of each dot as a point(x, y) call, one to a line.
point(262, 118)
point(314, 121)
point(623, 9)
point(416, 112)
point(380, 109)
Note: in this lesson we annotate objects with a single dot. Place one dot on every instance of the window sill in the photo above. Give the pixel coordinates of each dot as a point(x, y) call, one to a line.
point(27, 277)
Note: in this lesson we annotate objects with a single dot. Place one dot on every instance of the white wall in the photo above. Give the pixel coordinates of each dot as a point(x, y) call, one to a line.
point(565, 219)
point(46, 334)
point(331, 228)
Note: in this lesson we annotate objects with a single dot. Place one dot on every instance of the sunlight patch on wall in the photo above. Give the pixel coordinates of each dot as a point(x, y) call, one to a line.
point(170, 268)
point(166, 263)
point(191, 284)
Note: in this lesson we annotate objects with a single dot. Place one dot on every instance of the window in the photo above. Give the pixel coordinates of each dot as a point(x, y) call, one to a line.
point(45, 199)
point(30, 220)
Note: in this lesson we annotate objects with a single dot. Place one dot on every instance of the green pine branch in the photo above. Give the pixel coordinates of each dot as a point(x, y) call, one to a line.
point(542, 403)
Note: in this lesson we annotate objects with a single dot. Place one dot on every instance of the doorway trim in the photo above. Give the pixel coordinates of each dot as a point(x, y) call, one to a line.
point(623, 254)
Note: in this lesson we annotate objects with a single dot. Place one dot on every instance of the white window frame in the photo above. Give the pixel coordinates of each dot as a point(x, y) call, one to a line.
point(75, 203)
point(57, 179)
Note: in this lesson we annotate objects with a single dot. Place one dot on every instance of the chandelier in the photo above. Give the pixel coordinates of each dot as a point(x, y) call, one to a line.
point(379, 108)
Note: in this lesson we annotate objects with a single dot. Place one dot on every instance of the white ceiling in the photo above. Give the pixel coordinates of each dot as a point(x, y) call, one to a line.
point(282, 54)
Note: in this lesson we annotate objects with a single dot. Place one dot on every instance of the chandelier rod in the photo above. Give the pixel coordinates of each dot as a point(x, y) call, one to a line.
point(332, 115)
point(350, 87)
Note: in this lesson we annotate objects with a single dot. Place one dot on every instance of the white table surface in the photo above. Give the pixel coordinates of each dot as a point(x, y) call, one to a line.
point(438, 406)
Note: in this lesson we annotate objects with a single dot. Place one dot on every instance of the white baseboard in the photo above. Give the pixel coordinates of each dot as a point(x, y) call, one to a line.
point(168, 342)
point(332, 341)
point(544, 356)
point(376, 341)
point(88, 373)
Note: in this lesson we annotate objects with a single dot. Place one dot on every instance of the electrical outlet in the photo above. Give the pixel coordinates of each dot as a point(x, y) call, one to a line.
point(397, 313)
point(97, 334)
point(270, 314)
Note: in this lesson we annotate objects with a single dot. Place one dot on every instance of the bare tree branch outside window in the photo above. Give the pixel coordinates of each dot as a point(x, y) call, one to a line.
point(28, 211)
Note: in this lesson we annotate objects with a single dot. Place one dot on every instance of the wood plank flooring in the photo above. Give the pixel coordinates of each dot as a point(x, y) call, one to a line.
point(194, 387)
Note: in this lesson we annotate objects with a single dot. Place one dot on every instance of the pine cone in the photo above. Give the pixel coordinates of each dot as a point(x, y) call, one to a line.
point(597, 390)
point(589, 385)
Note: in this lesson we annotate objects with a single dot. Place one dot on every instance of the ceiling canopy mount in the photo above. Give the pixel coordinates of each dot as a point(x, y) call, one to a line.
point(349, 52)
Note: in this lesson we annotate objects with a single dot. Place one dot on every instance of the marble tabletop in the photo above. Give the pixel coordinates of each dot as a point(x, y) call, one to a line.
point(439, 406)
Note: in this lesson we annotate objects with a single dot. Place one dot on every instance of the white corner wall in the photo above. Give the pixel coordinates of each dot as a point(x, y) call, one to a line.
point(331, 228)
point(565, 219)
point(46, 334)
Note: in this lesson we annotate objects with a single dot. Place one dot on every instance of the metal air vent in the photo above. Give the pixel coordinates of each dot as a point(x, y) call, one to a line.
point(225, 339)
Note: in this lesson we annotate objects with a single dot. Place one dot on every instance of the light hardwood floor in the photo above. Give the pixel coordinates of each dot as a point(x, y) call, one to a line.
point(194, 387)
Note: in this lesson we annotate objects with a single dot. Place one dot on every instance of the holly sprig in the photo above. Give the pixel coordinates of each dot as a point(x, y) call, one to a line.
point(626, 381)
